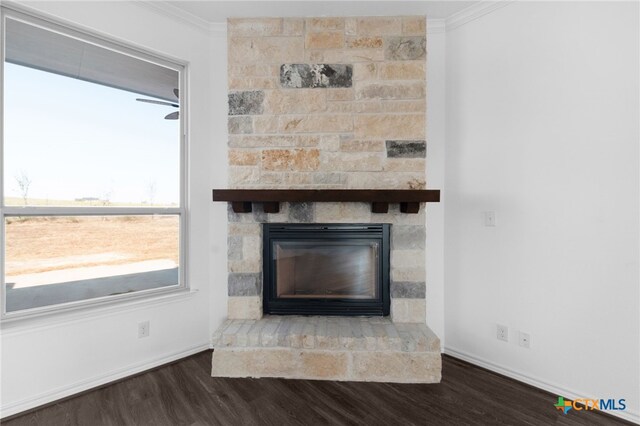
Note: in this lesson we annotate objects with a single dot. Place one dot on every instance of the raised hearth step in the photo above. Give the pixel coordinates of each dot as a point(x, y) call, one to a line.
point(368, 349)
point(327, 333)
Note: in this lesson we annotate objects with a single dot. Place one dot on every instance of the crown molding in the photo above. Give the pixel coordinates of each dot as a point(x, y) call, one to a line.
point(434, 26)
point(474, 12)
point(171, 11)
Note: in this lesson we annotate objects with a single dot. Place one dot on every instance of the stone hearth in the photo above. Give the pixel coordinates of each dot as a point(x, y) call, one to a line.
point(327, 348)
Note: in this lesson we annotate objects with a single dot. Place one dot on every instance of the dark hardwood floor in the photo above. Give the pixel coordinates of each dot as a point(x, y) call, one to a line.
point(183, 393)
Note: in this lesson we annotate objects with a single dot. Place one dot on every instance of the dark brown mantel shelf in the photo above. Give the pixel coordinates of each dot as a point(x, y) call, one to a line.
point(380, 199)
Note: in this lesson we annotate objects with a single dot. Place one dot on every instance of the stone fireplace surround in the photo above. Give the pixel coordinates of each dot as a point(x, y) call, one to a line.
point(294, 125)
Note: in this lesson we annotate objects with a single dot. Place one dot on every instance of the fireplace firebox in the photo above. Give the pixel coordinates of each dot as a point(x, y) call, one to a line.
point(326, 269)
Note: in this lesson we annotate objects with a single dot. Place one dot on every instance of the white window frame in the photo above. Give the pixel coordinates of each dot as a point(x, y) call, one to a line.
point(181, 211)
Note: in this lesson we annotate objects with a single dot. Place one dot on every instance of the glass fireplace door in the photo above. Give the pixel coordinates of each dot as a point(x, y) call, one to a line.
point(348, 269)
point(326, 269)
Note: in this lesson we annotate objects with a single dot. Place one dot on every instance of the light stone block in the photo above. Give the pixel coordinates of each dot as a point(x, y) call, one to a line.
point(324, 40)
point(324, 365)
point(315, 123)
point(253, 363)
point(265, 124)
point(407, 258)
point(266, 50)
point(245, 265)
point(250, 70)
point(404, 165)
point(350, 26)
point(240, 125)
point(343, 212)
point(247, 307)
point(378, 26)
point(330, 178)
point(344, 56)
point(399, 367)
point(408, 237)
point(242, 157)
point(244, 229)
point(320, 24)
point(292, 26)
point(290, 159)
point(357, 145)
point(351, 161)
point(243, 174)
point(390, 126)
point(255, 83)
point(403, 105)
point(364, 42)
point(369, 90)
point(412, 274)
point(329, 143)
point(271, 141)
point(365, 71)
point(385, 180)
point(340, 94)
point(408, 310)
point(252, 248)
point(408, 70)
point(234, 247)
point(300, 101)
point(240, 27)
point(414, 25)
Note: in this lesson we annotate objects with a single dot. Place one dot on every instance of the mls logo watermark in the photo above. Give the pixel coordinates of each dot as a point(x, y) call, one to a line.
point(586, 404)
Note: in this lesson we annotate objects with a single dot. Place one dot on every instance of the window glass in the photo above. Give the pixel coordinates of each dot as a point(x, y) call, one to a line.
point(61, 259)
point(74, 133)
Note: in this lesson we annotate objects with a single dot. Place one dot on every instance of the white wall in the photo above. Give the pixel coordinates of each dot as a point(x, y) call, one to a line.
point(48, 359)
point(435, 176)
point(542, 128)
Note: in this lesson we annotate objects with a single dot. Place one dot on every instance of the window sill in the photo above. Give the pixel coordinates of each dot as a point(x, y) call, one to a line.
point(16, 323)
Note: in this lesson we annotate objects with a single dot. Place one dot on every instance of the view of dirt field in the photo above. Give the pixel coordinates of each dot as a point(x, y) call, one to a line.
point(86, 202)
point(41, 244)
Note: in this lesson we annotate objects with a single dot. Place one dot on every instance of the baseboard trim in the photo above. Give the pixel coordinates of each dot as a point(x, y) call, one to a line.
point(630, 416)
point(20, 407)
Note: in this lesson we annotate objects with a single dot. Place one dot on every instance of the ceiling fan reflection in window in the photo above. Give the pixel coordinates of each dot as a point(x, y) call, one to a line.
point(171, 116)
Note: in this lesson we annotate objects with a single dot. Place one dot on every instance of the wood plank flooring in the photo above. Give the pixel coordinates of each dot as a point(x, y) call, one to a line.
point(183, 393)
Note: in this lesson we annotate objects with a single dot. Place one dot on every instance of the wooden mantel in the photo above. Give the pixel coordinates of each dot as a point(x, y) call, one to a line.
point(409, 199)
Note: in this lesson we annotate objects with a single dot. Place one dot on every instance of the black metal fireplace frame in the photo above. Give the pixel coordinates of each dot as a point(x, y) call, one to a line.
point(272, 232)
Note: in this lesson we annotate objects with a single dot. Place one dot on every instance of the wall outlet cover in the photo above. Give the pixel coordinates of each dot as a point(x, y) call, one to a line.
point(502, 332)
point(143, 329)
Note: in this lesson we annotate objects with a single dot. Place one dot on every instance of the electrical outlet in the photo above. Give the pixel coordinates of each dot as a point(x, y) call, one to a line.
point(490, 218)
point(524, 339)
point(143, 329)
point(502, 332)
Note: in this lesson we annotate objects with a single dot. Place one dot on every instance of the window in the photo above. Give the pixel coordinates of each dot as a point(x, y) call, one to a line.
point(93, 170)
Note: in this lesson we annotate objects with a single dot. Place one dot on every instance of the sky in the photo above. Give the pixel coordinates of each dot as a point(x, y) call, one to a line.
point(75, 139)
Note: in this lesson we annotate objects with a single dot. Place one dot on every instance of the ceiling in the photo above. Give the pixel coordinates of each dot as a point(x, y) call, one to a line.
point(218, 11)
